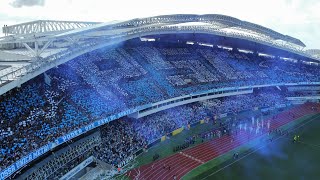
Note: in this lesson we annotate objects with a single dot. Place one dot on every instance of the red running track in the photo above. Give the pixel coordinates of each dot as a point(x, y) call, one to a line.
point(186, 160)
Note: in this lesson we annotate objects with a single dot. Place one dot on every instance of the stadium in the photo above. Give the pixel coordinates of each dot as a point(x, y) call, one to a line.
point(179, 96)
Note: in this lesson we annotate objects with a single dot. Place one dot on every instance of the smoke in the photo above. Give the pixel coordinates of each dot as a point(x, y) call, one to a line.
point(29, 3)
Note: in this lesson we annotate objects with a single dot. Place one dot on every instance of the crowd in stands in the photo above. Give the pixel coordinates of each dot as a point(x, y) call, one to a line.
point(108, 81)
point(303, 91)
point(119, 142)
point(123, 138)
point(239, 103)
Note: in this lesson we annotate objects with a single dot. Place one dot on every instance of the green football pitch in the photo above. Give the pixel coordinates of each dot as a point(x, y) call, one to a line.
point(279, 159)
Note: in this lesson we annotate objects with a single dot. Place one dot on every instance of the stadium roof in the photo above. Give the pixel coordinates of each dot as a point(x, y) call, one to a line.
point(214, 20)
point(72, 39)
point(314, 52)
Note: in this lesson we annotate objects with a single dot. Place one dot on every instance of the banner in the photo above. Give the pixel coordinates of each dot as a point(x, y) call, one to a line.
point(25, 160)
point(177, 131)
point(163, 138)
point(5, 173)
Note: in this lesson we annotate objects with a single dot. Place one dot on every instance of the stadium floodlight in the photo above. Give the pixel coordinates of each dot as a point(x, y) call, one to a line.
point(266, 55)
point(225, 47)
point(289, 59)
point(245, 51)
point(206, 44)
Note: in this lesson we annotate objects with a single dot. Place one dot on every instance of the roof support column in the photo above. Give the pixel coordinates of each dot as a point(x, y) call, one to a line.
point(45, 47)
point(37, 51)
point(36, 48)
point(72, 40)
point(30, 49)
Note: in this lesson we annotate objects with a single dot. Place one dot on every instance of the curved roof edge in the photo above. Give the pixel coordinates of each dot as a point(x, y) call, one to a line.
point(44, 26)
point(228, 21)
point(212, 17)
point(314, 52)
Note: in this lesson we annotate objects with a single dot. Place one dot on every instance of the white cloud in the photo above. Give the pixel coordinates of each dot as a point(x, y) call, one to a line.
point(21, 3)
point(297, 18)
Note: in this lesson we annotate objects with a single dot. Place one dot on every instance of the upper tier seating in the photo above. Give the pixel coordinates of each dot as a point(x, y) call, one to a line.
point(108, 81)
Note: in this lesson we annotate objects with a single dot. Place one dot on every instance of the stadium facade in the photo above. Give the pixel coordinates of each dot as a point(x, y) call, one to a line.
point(39, 47)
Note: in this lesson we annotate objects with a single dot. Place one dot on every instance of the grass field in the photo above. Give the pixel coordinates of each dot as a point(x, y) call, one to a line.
point(281, 159)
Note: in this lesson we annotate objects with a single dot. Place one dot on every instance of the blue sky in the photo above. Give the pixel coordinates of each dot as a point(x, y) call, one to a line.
point(297, 18)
